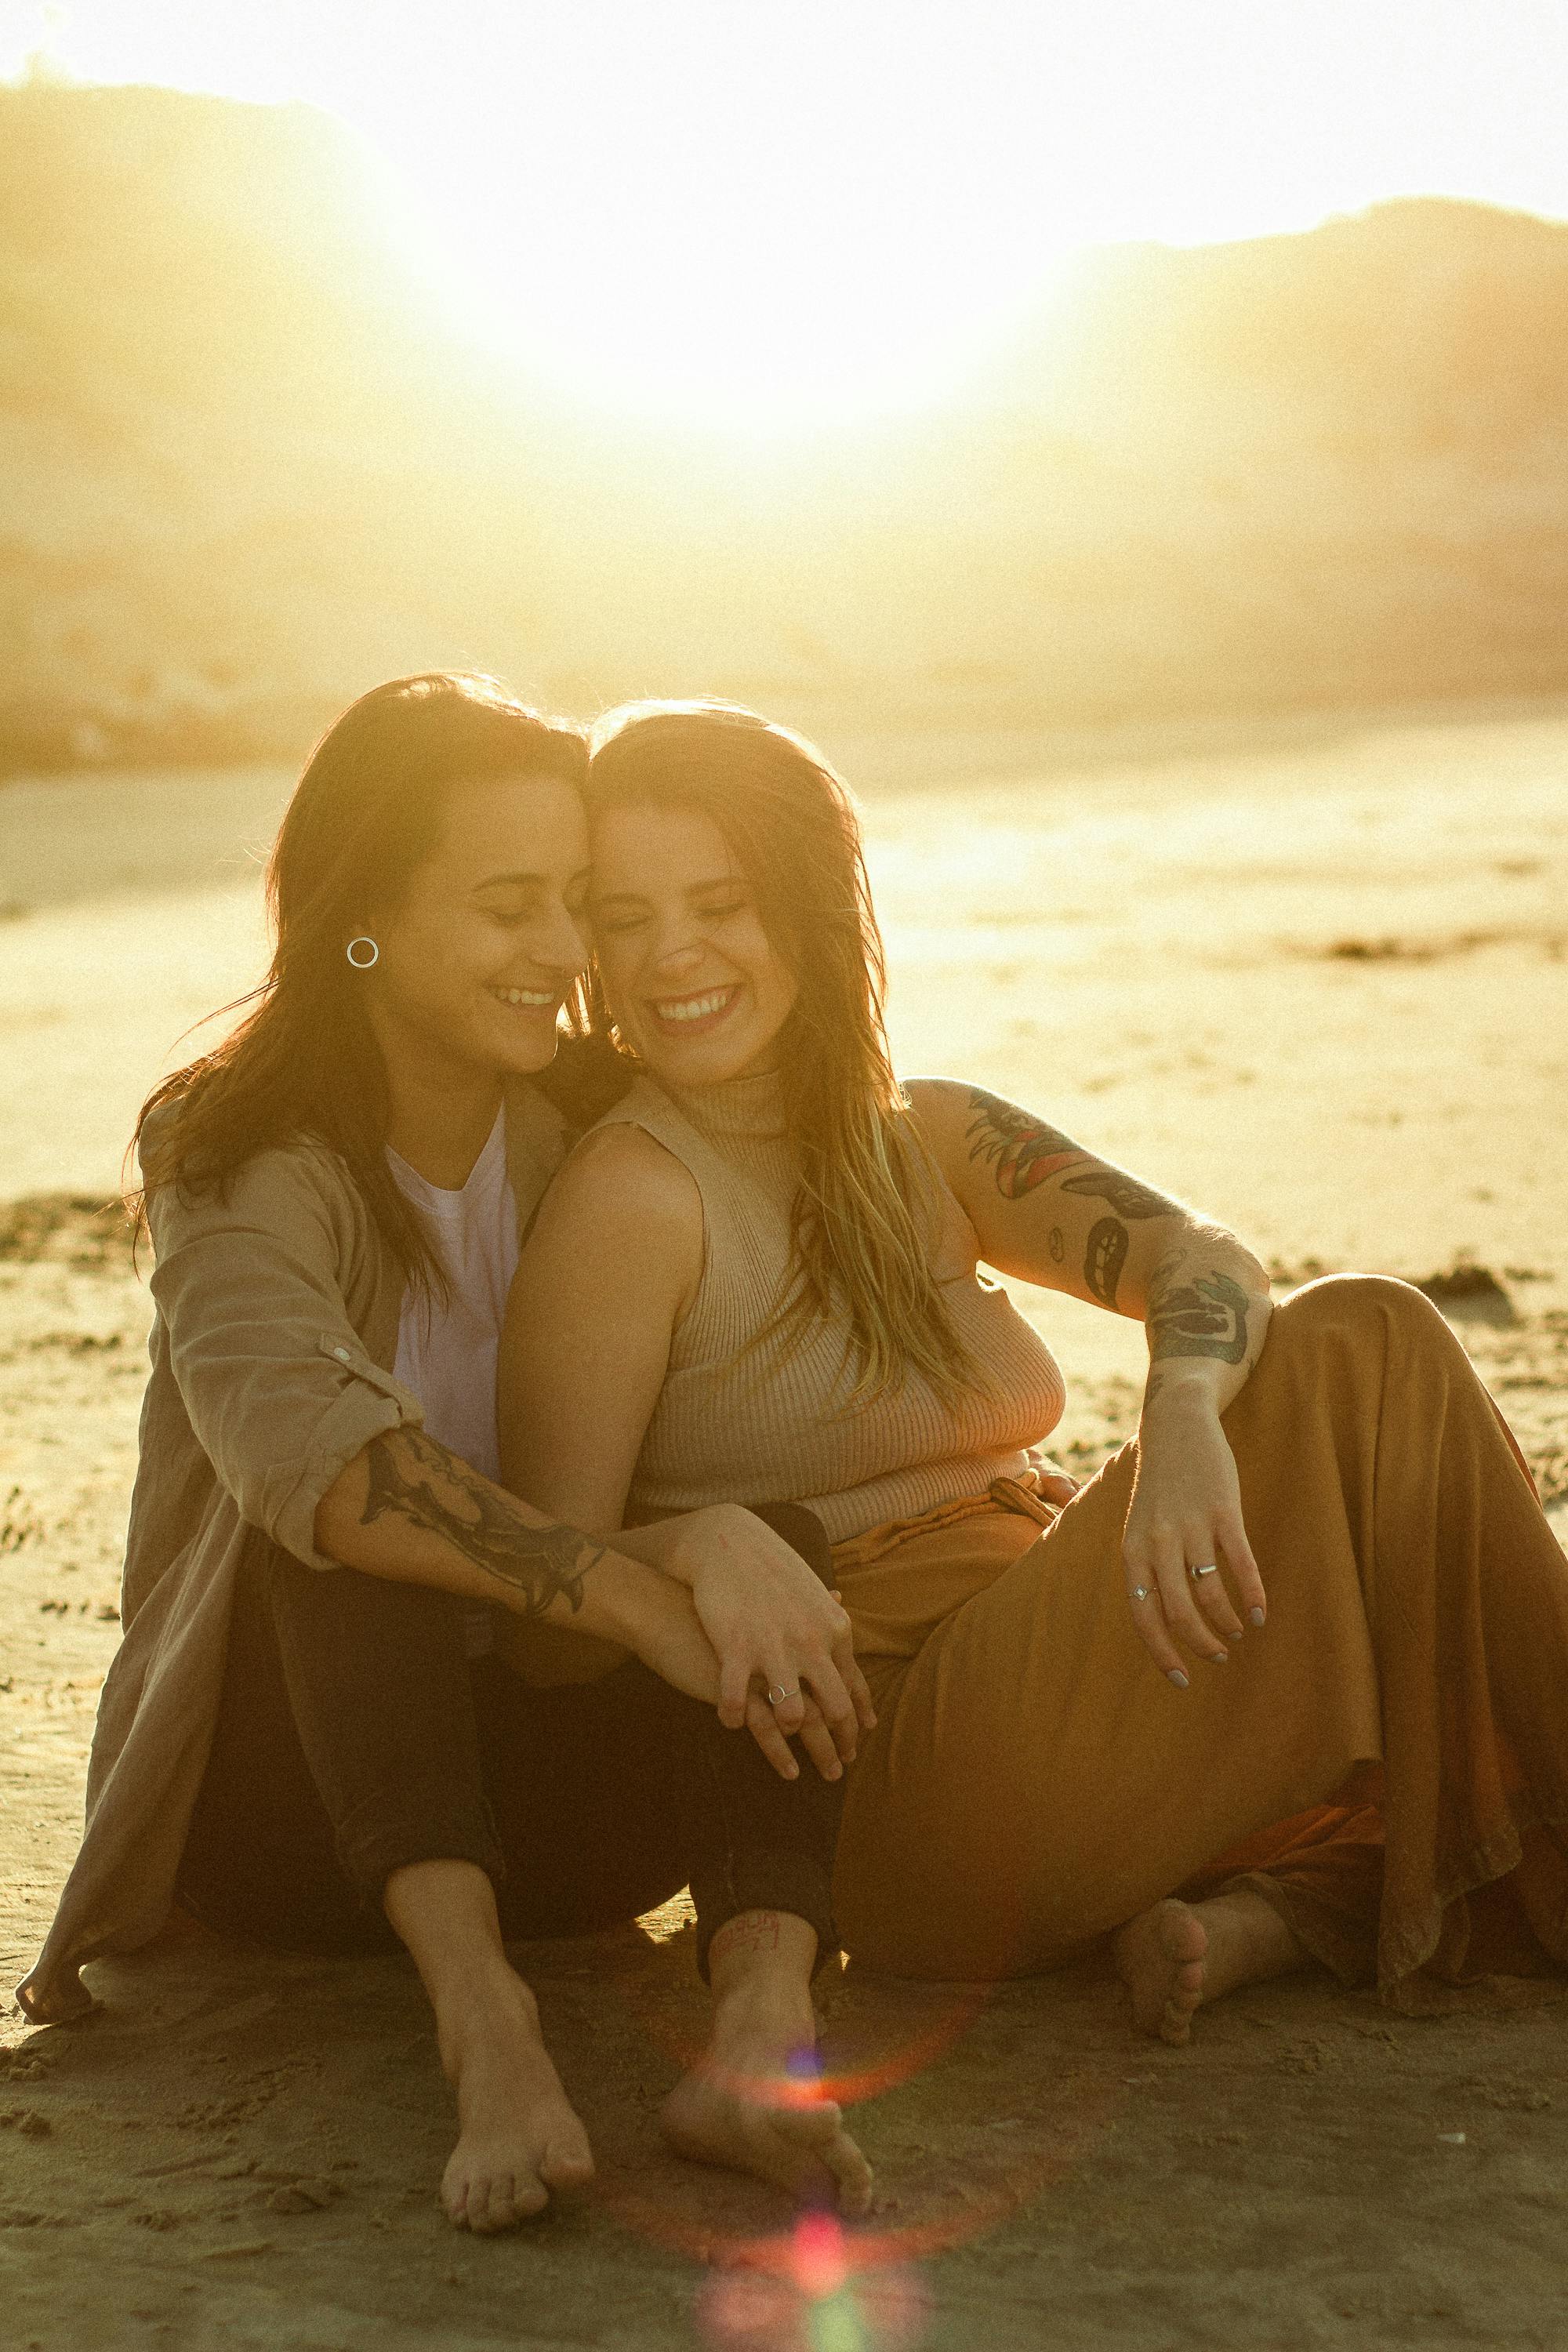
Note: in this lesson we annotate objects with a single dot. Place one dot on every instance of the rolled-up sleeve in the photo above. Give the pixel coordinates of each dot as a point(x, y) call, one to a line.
point(280, 1390)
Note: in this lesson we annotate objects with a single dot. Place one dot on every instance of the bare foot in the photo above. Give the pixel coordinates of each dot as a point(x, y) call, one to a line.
point(520, 2138)
point(1160, 1957)
point(752, 2104)
point(1175, 1956)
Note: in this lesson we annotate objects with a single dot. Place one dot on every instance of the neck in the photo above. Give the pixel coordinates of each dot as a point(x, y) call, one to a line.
point(441, 1118)
point(751, 1103)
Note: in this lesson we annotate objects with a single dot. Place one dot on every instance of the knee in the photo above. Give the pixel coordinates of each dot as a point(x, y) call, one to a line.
point(1359, 1305)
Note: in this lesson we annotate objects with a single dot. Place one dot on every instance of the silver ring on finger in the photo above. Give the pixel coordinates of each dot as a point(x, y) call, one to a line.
point(1139, 1592)
point(777, 1698)
point(1195, 1572)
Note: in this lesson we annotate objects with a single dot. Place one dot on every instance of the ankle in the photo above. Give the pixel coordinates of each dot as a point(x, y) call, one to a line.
point(759, 1948)
point(1249, 1940)
point(475, 2005)
point(765, 2004)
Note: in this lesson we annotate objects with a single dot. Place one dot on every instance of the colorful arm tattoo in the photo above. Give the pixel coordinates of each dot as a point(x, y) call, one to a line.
point(1023, 1151)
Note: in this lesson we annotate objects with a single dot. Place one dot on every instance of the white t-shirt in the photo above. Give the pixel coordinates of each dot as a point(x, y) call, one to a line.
point(447, 1353)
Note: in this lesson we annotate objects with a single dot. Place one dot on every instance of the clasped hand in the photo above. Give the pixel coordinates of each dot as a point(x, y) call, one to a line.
point(767, 1624)
point(1185, 1513)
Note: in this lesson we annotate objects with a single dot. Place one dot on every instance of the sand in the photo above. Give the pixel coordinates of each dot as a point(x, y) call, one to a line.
point(1315, 980)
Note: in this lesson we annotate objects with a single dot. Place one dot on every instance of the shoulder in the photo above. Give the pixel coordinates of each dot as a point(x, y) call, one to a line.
point(939, 1098)
point(943, 1111)
point(295, 1191)
point(622, 1186)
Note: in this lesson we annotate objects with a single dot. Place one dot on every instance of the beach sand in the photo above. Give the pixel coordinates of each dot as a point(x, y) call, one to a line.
point(1312, 978)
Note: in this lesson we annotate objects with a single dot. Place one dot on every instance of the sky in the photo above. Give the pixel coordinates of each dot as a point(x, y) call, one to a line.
point(743, 211)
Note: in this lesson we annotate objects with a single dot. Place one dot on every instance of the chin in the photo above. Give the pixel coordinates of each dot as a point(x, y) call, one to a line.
point(522, 1056)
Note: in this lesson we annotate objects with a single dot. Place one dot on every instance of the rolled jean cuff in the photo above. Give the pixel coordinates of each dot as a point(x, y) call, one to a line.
point(779, 1881)
point(374, 1841)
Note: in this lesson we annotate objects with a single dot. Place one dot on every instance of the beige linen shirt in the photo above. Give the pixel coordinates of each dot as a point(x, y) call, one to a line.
point(276, 1326)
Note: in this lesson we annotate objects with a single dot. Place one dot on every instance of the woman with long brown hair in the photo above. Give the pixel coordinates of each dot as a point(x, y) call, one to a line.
point(335, 1761)
point(1282, 1685)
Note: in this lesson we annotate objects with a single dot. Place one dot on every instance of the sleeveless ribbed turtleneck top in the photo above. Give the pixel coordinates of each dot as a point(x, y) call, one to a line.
point(769, 1425)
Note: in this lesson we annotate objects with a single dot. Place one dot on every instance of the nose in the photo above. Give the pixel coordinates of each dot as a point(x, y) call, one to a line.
point(562, 948)
point(676, 959)
point(674, 950)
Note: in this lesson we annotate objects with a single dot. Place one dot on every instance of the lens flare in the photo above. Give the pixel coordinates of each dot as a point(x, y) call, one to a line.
point(981, 2176)
point(816, 2294)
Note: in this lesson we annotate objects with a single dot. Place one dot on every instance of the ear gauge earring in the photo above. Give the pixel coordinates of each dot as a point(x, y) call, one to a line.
point(362, 962)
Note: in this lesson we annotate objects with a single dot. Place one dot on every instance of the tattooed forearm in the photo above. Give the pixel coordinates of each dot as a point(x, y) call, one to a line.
point(1203, 1317)
point(1104, 1259)
point(1023, 1151)
point(413, 1479)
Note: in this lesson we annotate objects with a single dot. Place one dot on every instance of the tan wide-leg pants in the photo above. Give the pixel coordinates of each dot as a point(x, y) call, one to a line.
point(1394, 1739)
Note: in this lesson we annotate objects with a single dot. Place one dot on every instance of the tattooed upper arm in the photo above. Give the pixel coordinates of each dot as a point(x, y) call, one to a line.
point(1020, 1150)
point(1023, 1153)
point(1124, 1193)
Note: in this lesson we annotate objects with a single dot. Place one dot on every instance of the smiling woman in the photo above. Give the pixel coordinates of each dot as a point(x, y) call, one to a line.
point(332, 1761)
point(760, 1272)
point(438, 823)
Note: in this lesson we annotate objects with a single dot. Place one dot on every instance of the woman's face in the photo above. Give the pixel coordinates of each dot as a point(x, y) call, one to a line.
point(693, 981)
point(477, 956)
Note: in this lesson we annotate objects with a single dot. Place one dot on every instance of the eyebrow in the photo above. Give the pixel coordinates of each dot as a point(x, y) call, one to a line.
point(525, 881)
point(693, 890)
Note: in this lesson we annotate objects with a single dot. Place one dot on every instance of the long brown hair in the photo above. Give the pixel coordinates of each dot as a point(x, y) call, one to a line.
point(862, 1220)
point(367, 812)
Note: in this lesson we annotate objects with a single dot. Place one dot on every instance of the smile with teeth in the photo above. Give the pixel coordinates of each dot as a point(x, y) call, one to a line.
point(694, 1008)
point(531, 996)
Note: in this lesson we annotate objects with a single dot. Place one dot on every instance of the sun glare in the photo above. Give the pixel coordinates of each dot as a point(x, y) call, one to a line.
point(766, 219)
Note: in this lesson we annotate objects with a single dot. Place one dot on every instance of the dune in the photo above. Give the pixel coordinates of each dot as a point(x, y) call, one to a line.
point(254, 460)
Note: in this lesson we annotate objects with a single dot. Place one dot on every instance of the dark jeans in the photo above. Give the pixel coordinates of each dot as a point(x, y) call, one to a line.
point(355, 1736)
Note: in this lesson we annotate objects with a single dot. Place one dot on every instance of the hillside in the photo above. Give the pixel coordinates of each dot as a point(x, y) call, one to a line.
point(248, 463)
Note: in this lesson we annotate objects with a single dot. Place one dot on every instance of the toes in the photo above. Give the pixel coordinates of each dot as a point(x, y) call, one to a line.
point(527, 2196)
point(813, 2127)
point(1182, 1938)
point(803, 2171)
point(1182, 2003)
point(492, 2210)
point(488, 2203)
point(566, 2167)
point(817, 2153)
point(513, 2197)
point(455, 2198)
point(1161, 1956)
point(851, 2171)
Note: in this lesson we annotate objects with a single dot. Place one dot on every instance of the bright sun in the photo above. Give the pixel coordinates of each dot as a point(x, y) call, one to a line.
point(767, 217)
